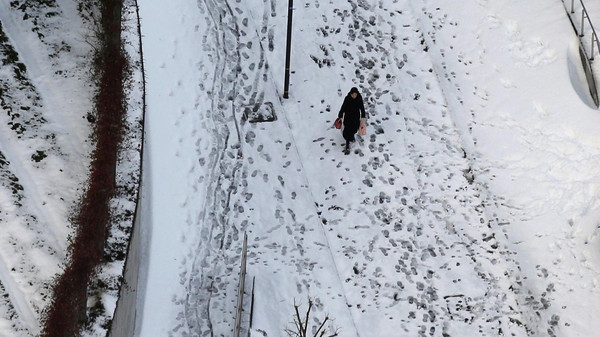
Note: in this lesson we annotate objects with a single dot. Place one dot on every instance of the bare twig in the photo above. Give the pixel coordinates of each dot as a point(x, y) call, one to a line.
point(310, 304)
point(321, 327)
point(301, 326)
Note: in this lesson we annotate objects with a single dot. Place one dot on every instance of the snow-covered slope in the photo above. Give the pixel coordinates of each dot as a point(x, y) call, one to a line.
point(470, 208)
point(45, 100)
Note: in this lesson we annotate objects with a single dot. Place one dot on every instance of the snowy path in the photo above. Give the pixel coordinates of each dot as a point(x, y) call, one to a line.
point(231, 190)
point(519, 129)
point(238, 182)
point(411, 233)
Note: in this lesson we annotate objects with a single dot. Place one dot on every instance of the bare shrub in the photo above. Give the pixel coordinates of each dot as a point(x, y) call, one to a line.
point(318, 328)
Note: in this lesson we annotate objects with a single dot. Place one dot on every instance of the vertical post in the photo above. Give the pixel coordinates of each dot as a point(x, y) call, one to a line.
point(572, 6)
point(594, 39)
point(251, 307)
point(241, 285)
point(582, 22)
point(288, 48)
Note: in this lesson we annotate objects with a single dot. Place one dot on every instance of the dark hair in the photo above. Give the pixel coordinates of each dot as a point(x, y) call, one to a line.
point(354, 89)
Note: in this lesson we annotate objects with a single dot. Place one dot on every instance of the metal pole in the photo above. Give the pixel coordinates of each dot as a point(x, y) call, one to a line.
point(594, 39)
point(251, 307)
point(582, 22)
point(288, 47)
point(572, 6)
point(241, 285)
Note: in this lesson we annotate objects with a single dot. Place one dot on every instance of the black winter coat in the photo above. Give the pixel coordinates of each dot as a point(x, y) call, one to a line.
point(353, 109)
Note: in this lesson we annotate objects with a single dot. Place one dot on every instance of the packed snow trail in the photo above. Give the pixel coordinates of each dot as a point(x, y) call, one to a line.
point(407, 242)
point(412, 233)
point(238, 182)
point(231, 190)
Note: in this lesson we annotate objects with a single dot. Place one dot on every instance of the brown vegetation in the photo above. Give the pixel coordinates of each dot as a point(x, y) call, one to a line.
point(68, 307)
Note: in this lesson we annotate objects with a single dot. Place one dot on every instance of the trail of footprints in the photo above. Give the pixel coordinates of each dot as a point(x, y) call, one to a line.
point(233, 47)
point(415, 223)
point(402, 156)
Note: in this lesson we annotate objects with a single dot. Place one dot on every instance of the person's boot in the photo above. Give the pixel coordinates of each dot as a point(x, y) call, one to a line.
point(347, 148)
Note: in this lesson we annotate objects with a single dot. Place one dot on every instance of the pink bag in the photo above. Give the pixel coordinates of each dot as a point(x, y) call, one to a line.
point(338, 123)
point(362, 130)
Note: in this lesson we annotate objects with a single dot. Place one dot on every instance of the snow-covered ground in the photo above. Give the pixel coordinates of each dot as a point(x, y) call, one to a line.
point(47, 86)
point(471, 208)
point(45, 102)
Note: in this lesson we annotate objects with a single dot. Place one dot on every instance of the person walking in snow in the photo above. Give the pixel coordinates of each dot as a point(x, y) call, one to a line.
point(352, 110)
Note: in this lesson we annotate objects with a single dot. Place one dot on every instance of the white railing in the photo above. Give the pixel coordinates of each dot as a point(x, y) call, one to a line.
point(580, 27)
point(586, 51)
